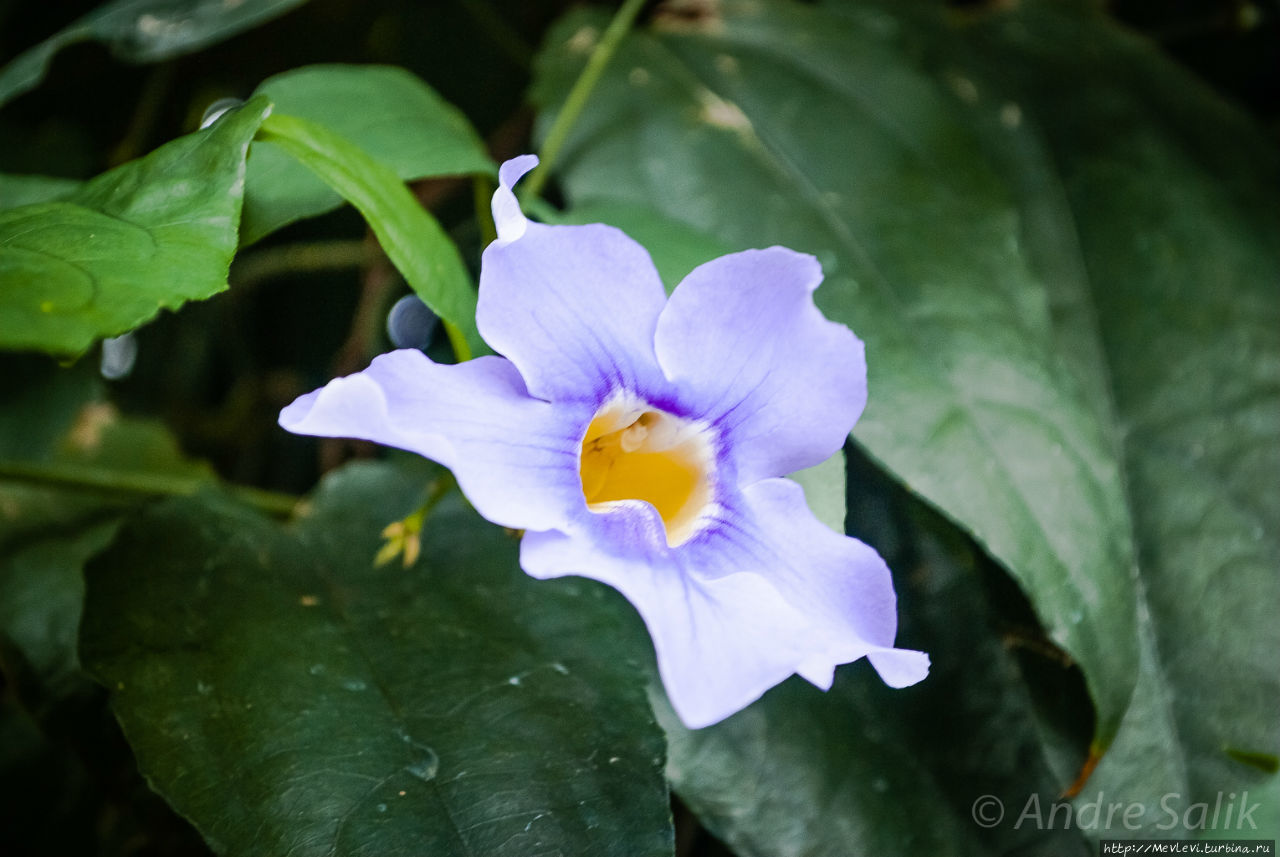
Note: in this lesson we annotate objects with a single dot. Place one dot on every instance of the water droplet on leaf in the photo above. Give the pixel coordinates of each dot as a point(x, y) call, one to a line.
point(425, 762)
point(119, 353)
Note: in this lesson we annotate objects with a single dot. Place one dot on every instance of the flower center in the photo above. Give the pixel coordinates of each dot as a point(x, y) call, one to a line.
point(635, 452)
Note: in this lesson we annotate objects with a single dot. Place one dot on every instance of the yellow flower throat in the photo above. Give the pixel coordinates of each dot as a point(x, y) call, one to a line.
point(634, 452)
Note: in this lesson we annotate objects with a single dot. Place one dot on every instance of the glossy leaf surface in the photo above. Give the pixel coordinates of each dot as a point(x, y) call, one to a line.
point(455, 707)
point(147, 235)
point(391, 115)
point(142, 31)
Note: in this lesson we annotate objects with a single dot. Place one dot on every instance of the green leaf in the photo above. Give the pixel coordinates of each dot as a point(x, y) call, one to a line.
point(918, 237)
point(285, 694)
point(16, 190)
point(142, 31)
point(824, 489)
point(411, 237)
point(1061, 253)
point(1157, 240)
point(389, 113)
point(40, 598)
point(150, 234)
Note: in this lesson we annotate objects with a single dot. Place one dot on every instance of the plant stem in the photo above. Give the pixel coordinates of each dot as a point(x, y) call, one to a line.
point(578, 95)
point(457, 339)
point(307, 256)
point(437, 491)
point(139, 483)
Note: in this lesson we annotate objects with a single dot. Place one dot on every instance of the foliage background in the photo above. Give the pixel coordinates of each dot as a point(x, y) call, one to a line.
point(1158, 150)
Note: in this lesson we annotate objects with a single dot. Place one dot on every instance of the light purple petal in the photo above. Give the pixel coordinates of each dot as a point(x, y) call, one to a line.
point(900, 667)
point(720, 642)
point(574, 307)
point(764, 592)
point(508, 219)
point(747, 348)
point(837, 581)
point(515, 457)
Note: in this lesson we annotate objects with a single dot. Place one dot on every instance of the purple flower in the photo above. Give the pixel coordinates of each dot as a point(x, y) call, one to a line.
point(641, 441)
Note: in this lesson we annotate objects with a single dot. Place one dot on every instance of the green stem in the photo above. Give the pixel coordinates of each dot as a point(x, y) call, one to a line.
point(457, 340)
point(437, 491)
point(578, 95)
point(138, 483)
point(410, 236)
point(296, 258)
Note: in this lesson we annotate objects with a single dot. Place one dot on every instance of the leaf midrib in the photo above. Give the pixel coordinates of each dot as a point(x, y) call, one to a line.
point(349, 626)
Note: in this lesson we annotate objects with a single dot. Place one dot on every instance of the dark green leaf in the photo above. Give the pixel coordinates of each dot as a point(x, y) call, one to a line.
point(142, 31)
point(1061, 252)
point(393, 116)
point(150, 234)
point(40, 598)
point(919, 242)
point(1152, 214)
point(286, 695)
point(411, 237)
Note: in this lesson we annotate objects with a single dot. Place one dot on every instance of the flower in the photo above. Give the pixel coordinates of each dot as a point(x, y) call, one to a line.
point(641, 441)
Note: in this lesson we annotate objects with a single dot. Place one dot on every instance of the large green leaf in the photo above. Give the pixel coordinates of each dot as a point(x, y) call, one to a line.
point(1152, 213)
point(142, 31)
point(289, 696)
point(1061, 252)
point(393, 116)
point(412, 239)
point(717, 125)
point(150, 234)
